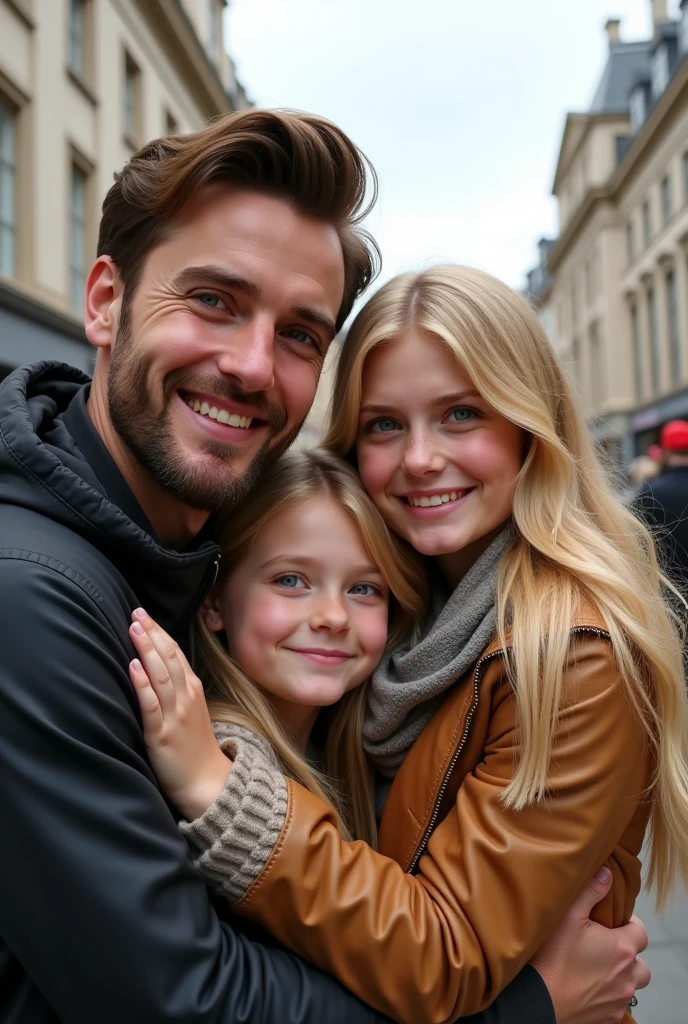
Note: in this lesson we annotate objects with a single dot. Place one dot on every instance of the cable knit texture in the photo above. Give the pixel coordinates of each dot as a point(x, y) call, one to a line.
point(235, 837)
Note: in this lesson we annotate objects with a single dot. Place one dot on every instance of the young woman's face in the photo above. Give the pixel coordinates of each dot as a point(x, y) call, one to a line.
point(438, 462)
point(305, 612)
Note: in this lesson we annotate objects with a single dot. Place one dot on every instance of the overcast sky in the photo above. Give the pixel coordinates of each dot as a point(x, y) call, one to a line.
point(460, 105)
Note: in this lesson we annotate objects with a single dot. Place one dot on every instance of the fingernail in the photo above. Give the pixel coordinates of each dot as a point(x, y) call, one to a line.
point(136, 665)
point(139, 613)
point(138, 629)
point(603, 875)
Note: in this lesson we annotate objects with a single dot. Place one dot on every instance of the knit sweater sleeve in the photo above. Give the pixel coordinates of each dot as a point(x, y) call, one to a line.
point(233, 839)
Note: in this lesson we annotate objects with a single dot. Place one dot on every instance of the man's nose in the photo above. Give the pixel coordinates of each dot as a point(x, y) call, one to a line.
point(251, 358)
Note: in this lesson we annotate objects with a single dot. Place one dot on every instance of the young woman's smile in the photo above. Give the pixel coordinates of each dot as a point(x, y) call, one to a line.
point(436, 459)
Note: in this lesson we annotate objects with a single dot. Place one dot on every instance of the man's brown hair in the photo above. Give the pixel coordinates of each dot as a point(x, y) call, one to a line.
point(301, 158)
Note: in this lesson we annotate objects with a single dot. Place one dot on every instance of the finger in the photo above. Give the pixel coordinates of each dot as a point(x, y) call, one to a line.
point(151, 712)
point(194, 684)
point(596, 889)
point(155, 668)
point(167, 649)
point(641, 974)
point(638, 934)
point(641, 932)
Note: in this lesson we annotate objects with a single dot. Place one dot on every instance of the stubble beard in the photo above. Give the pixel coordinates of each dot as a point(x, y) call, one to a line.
point(208, 484)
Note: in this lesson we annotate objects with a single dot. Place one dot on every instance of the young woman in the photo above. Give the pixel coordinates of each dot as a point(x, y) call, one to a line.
point(539, 722)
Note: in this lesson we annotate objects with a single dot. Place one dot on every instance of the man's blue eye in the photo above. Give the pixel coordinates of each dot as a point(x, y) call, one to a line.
point(208, 299)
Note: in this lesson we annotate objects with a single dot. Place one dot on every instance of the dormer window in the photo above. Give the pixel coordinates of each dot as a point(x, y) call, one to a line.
point(660, 70)
point(638, 106)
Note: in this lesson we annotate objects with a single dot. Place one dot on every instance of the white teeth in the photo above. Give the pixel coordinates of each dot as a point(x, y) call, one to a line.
point(435, 499)
point(221, 415)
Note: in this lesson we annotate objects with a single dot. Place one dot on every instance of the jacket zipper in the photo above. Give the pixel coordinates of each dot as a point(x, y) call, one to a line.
point(464, 737)
point(201, 594)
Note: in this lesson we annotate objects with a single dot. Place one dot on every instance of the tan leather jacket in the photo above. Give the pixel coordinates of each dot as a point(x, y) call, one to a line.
point(462, 891)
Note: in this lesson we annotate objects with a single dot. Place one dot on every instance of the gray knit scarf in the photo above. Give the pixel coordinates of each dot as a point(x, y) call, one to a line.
point(410, 683)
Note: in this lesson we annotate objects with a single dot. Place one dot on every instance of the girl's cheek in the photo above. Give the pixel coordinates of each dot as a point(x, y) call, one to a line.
point(375, 468)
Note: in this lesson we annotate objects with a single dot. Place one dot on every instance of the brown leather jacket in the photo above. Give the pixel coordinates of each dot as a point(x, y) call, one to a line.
point(463, 891)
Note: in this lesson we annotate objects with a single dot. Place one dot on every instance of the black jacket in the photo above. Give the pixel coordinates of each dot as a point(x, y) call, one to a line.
point(663, 503)
point(102, 914)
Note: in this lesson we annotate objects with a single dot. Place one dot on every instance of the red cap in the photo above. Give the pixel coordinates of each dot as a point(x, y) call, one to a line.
point(674, 436)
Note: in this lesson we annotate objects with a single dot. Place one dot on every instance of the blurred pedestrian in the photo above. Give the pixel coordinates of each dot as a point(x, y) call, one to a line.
point(663, 503)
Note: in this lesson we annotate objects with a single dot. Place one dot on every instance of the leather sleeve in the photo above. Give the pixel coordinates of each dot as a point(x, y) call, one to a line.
point(99, 900)
point(432, 947)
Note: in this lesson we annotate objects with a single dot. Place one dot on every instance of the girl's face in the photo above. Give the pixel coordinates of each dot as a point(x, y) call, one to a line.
point(437, 460)
point(305, 612)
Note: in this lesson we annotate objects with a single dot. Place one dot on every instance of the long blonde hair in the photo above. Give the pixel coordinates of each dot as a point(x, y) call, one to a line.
point(573, 538)
point(234, 697)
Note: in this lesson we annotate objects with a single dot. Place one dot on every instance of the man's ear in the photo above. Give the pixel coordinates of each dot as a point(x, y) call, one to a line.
point(211, 615)
point(102, 301)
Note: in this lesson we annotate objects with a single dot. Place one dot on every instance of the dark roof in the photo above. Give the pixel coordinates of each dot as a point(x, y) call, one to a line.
point(626, 64)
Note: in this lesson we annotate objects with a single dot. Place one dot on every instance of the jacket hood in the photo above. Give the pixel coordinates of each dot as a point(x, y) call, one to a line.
point(43, 470)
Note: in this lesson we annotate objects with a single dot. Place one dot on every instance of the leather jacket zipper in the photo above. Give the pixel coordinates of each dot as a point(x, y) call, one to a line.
point(464, 737)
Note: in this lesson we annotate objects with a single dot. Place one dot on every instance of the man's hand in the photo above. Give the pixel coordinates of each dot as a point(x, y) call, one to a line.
point(592, 972)
point(188, 764)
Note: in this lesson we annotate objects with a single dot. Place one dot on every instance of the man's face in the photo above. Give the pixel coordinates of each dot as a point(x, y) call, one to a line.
point(218, 354)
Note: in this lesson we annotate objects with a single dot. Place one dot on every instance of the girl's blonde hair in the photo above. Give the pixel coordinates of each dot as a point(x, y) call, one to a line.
point(573, 538)
point(234, 697)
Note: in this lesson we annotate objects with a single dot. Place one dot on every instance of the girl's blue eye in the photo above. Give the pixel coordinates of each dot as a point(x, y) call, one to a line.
point(384, 425)
point(364, 590)
point(461, 414)
point(290, 580)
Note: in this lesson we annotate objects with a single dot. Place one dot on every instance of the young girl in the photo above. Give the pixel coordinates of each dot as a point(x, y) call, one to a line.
point(312, 588)
point(540, 720)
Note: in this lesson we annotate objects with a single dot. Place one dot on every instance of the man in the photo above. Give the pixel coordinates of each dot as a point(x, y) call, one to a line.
point(226, 262)
point(663, 503)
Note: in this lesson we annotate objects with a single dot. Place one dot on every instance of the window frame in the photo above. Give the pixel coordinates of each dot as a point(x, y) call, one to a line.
point(667, 198)
point(10, 229)
point(131, 102)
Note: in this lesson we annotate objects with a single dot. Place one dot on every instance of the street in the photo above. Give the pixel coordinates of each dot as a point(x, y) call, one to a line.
point(666, 1000)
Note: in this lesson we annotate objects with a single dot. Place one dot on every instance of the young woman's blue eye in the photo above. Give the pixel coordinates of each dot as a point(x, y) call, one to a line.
point(461, 414)
point(290, 580)
point(384, 425)
point(364, 590)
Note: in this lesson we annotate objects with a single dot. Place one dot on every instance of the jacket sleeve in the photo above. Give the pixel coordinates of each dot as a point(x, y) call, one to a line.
point(99, 900)
point(435, 946)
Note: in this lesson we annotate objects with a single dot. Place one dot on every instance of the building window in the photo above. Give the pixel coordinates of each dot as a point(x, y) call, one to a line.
point(132, 101)
point(660, 70)
point(597, 375)
point(213, 34)
point(666, 198)
point(674, 331)
point(630, 242)
point(647, 222)
point(637, 352)
point(171, 124)
point(685, 166)
point(654, 339)
point(77, 237)
point(77, 32)
point(8, 175)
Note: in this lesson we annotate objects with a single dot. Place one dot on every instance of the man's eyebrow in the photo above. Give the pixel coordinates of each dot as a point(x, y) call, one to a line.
point(215, 275)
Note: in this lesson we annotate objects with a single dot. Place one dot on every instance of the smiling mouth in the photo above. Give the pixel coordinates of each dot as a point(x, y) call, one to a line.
point(321, 656)
point(214, 410)
point(435, 500)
